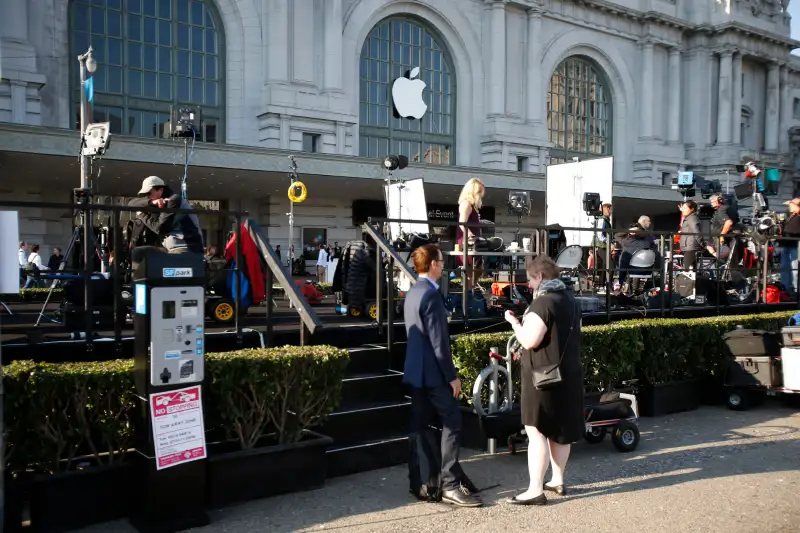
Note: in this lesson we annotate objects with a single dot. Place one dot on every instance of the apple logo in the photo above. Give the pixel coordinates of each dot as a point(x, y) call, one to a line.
point(407, 96)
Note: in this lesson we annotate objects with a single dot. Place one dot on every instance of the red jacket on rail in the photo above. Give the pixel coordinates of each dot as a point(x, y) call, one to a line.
point(252, 264)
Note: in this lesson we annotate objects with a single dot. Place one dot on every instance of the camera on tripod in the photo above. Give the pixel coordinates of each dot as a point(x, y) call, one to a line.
point(688, 182)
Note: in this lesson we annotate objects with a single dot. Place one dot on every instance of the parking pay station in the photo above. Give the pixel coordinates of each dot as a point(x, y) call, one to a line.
point(169, 371)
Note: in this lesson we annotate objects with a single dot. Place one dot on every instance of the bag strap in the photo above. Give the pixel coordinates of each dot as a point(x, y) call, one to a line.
point(569, 338)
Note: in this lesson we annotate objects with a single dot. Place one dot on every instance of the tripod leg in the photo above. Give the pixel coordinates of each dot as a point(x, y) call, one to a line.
point(57, 283)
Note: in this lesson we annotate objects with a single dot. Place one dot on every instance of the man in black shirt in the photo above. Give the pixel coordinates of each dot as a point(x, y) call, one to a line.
point(723, 222)
point(788, 247)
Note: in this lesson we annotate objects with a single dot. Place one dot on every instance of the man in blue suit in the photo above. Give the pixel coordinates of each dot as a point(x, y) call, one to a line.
point(430, 372)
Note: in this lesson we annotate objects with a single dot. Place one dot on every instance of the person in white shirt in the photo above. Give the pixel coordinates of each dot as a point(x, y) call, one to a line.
point(23, 260)
point(32, 268)
point(322, 262)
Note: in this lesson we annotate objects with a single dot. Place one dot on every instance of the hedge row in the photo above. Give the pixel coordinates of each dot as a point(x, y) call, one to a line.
point(652, 351)
point(31, 295)
point(55, 413)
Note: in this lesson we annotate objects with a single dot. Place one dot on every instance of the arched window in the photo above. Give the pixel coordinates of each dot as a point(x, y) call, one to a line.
point(394, 47)
point(150, 54)
point(578, 111)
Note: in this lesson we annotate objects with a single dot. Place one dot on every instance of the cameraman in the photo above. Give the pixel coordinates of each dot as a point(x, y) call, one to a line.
point(791, 228)
point(723, 222)
point(179, 232)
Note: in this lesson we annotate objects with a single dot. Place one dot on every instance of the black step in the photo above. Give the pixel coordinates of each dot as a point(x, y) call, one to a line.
point(370, 358)
point(371, 387)
point(344, 460)
point(369, 421)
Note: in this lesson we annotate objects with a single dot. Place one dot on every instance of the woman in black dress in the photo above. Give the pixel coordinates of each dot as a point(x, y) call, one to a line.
point(550, 334)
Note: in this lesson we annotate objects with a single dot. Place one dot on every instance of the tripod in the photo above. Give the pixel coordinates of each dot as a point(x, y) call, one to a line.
point(58, 282)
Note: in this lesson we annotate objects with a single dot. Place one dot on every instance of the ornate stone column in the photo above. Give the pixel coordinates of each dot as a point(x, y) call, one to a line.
point(648, 52)
point(725, 103)
point(497, 67)
point(674, 109)
point(333, 45)
point(785, 110)
point(771, 119)
point(533, 66)
point(737, 99)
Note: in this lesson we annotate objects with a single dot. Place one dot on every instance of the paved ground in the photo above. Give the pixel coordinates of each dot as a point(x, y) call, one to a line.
point(711, 470)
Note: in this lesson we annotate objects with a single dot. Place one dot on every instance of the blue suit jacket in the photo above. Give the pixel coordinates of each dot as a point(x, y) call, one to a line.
point(429, 362)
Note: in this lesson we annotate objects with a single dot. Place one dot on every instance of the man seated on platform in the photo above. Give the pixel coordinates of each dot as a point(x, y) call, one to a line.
point(179, 232)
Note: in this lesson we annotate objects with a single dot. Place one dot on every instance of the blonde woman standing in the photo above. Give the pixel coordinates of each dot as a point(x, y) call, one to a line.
point(470, 202)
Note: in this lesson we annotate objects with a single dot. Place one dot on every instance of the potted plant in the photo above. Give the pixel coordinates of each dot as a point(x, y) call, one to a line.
point(80, 417)
point(262, 404)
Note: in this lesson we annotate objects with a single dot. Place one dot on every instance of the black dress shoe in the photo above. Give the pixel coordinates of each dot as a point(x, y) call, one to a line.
point(539, 500)
point(470, 486)
point(561, 490)
point(460, 497)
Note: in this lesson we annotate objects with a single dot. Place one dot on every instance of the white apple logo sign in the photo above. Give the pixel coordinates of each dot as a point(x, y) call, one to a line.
point(407, 96)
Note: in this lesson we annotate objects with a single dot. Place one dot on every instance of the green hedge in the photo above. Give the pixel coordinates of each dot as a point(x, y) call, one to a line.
point(654, 351)
point(31, 295)
point(55, 413)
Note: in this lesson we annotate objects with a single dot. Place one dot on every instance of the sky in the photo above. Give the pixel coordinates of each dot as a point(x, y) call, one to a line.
point(794, 11)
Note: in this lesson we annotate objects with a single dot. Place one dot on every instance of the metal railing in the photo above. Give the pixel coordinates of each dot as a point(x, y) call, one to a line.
point(665, 249)
point(309, 321)
point(394, 259)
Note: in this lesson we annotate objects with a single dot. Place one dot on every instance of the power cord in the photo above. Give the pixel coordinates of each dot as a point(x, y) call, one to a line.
point(186, 166)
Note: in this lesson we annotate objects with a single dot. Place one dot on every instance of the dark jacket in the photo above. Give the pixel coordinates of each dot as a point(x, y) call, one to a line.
point(634, 240)
point(177, 230)
point(791, 228)
point(691, 243)
point(429, 362)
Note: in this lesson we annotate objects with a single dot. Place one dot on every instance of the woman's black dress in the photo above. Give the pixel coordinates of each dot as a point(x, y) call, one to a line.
point(557, 412)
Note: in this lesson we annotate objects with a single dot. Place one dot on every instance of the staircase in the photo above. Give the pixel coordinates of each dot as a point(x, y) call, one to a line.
point(370, 427)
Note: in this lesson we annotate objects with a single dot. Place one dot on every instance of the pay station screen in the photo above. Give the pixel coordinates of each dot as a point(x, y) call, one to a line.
point(168, 310)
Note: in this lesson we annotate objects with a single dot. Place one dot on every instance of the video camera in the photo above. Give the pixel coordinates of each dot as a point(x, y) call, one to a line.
point(688, 182)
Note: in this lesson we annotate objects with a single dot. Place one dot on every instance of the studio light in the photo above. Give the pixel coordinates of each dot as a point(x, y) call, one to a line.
point(592, 205)
point(395, 162)
point(519, 203)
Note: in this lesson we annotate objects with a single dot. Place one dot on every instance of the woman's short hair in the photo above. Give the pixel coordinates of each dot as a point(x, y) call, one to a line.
point(541, 264)
point(424, 256)
point(472, 193)
point(644, 220)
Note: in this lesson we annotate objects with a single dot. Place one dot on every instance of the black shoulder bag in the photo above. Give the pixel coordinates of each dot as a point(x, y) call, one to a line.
point(549, 377)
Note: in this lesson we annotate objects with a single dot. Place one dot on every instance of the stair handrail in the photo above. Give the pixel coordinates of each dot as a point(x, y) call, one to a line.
point(384, 245)
point(307, 315)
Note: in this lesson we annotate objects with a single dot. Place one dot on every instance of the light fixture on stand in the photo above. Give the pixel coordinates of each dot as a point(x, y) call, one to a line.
point(390, 164)
point(593, 207)
point(519, 205)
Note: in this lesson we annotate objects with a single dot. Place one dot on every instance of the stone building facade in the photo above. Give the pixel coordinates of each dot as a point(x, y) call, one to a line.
point(512, 86)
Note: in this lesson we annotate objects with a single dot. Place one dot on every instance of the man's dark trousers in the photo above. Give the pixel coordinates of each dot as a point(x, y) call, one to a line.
point(436, 404)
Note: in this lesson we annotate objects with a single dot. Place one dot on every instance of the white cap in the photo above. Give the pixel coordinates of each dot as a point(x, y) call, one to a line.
point(151, 183)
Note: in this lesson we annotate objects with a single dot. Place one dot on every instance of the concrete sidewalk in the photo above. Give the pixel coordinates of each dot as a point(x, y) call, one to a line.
point(711, 470)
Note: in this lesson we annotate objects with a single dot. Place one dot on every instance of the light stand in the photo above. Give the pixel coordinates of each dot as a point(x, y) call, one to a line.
point(593, 207)
point(292, 179)
point(392, 163)
point(87, 64)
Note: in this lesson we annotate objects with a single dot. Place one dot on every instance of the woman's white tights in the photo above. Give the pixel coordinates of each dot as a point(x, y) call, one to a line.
point(542, 453)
